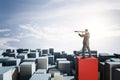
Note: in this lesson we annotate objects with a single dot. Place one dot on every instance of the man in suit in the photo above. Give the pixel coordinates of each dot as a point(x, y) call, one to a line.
point(86, 35)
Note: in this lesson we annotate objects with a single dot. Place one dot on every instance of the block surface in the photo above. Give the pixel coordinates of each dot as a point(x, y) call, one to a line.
point(26, 70)
point(87, 68)
point(109, 67)
point(8, 73)
point(64, 67)
point(40, 77)
point(116, 74)
point(42, 63)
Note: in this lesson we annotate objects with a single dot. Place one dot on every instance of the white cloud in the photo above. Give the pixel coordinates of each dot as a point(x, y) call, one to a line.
point(57, 36)
point(22, 35)
point(5, 30)
point(34, 31)
point(51, 32)
point(4, 43)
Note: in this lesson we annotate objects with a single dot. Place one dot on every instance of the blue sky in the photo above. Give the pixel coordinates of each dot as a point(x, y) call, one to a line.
point(51, 23)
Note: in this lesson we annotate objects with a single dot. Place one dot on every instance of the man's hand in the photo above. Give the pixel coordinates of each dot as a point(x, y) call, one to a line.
point(79, 34)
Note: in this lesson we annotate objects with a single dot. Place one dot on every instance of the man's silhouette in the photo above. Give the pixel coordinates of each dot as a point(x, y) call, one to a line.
point(86, 36)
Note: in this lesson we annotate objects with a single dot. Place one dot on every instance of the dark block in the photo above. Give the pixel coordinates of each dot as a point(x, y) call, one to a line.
point(102, 70)
point(51, 60)
point(33, 51)
point(108, 69)
point(22, 56)
point(65, 67)
point(56, 55)
point(9, 50)
point(70, 57)
point(12, 62)
point(63, 55)
point(12, 54)
point(45, 52)
point(94, 53)
point(116, 74)
point(104, 56)
point(51, 51)
point(33, 55)
point(115, 59)
point(117, 55)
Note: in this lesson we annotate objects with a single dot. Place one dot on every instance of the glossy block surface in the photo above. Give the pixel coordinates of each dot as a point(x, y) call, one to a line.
point(87, 68)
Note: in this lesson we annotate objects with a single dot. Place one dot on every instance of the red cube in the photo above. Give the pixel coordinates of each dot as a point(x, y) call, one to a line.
point(87, 68)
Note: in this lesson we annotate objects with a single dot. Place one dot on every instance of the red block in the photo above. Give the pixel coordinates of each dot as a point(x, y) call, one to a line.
point(87, 68)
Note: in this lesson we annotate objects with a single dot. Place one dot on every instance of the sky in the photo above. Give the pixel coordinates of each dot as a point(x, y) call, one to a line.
point(51, 24)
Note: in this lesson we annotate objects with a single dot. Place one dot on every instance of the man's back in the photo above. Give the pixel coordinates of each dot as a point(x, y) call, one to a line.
point(86, 38)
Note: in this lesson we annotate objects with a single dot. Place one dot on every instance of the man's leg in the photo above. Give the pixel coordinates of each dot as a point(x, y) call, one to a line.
point(89, 51)
point(83, 51)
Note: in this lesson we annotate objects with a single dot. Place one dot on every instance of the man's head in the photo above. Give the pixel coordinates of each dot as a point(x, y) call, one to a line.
point(86, 30)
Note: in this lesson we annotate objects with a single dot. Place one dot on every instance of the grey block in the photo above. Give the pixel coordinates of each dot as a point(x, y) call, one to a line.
point(14, 73)
point(8, 73)
point(68, 78)
point(41, 71)
point(51, 66)
point(60, 59)
point(42, 63)
point(108, 69)
point(5, 72)
point(40, 77)
point(64, 67)
point(0, 64)
point(53, 71)
point(58, 77)
point(26, 70)
point(1, 51)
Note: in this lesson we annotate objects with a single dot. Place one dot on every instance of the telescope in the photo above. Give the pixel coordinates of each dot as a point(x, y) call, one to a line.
point(79, 31)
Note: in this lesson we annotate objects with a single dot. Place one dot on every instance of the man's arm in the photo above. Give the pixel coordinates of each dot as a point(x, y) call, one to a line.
point(81, 35)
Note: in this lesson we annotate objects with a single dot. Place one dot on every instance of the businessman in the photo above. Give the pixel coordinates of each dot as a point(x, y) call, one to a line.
point(86, 36)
